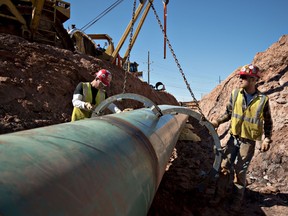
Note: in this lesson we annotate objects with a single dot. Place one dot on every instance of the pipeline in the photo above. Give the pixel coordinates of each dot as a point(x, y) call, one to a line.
point(110, 165)
point(106, 165)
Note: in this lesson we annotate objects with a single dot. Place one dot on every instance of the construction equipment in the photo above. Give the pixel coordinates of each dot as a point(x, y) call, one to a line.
point(107, 165)
point(85, 42)
point(37, 20)
point(42, 21)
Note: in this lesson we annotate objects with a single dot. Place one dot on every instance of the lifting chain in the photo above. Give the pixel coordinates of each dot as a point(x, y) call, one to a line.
point(177, 62)
point(130, 47)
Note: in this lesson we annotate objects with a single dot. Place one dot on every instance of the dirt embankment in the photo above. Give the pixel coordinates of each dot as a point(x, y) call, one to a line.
point(37, 83)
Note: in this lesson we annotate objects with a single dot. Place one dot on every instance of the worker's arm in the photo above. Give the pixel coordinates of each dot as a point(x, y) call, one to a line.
point(78, 97)
point(226, 116)
point(113, 108)
point(268, 123)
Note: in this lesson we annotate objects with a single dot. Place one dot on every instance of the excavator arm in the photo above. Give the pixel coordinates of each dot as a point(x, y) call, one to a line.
point(128, 28)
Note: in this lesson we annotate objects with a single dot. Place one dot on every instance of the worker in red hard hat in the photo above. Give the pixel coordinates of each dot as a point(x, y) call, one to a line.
point(249, 70)
point(104, 76)
point(249, 112)
point(88, 95)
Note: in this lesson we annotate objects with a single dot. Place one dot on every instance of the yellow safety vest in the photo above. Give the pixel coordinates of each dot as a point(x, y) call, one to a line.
point(78, 113)
point(247, 123)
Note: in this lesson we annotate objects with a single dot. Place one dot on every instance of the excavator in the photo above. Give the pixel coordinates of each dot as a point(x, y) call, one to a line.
point(37, 20)
point(85, 43)
point(42, 21)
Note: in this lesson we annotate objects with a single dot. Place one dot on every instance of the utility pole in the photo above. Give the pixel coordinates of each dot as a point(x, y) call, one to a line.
point(148, 68)
point(220, 80)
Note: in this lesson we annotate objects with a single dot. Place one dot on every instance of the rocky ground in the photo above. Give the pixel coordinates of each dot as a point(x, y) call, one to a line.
point(36, 86)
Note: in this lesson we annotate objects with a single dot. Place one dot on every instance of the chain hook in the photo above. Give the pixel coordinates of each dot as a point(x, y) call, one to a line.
point(177, 62)
point(127, 61)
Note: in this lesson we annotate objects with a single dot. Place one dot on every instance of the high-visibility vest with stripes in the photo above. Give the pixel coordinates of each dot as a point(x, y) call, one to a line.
point(78, 113)
point(247, 123)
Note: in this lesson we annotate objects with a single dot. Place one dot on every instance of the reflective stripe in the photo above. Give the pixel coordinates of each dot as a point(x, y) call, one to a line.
point(247, 122)
point(250, 120)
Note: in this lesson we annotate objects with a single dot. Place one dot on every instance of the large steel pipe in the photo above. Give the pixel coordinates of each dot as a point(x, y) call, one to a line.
point(109, 165)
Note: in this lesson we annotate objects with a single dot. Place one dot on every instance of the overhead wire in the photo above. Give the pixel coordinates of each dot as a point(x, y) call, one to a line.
point(102, 14)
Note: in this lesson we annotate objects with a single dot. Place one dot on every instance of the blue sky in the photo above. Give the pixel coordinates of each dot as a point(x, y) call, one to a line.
point(210, 38)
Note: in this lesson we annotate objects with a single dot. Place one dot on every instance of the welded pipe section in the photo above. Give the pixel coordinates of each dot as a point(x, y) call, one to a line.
point(110, 165)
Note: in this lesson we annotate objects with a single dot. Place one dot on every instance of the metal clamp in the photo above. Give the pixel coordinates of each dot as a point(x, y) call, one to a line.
point(146, 102)
point(172, 110)
point(217, 145)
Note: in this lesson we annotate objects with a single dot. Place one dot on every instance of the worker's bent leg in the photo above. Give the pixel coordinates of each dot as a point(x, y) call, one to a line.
point(226, 165)
point(229, 155)
point(245, 155)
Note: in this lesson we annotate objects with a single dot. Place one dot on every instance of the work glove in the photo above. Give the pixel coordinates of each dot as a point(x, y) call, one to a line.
point(265, 144)
point(224, 171)
point(117, 110)
point(215, 123)
point(88, 106)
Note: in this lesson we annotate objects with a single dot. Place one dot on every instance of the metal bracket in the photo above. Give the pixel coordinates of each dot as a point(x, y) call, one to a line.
point(208, 125)
point(146, 102)
point(173, 110)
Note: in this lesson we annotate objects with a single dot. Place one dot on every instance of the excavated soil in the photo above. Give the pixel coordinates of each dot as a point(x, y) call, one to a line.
point(36, 86)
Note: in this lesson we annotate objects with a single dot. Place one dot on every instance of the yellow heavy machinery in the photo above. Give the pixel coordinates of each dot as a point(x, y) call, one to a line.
point(42, 21)
point(37, 20)
point(85, 42)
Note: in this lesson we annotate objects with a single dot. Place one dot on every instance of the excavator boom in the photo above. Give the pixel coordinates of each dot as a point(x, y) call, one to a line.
point(85, 43)
point(128, 28)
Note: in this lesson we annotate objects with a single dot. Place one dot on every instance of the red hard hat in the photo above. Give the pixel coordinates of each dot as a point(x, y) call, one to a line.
point(249, 70)
point(104, 76)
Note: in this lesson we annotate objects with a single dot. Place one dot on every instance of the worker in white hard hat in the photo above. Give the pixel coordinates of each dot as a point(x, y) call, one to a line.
point(249, 112)
point(88, 95)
